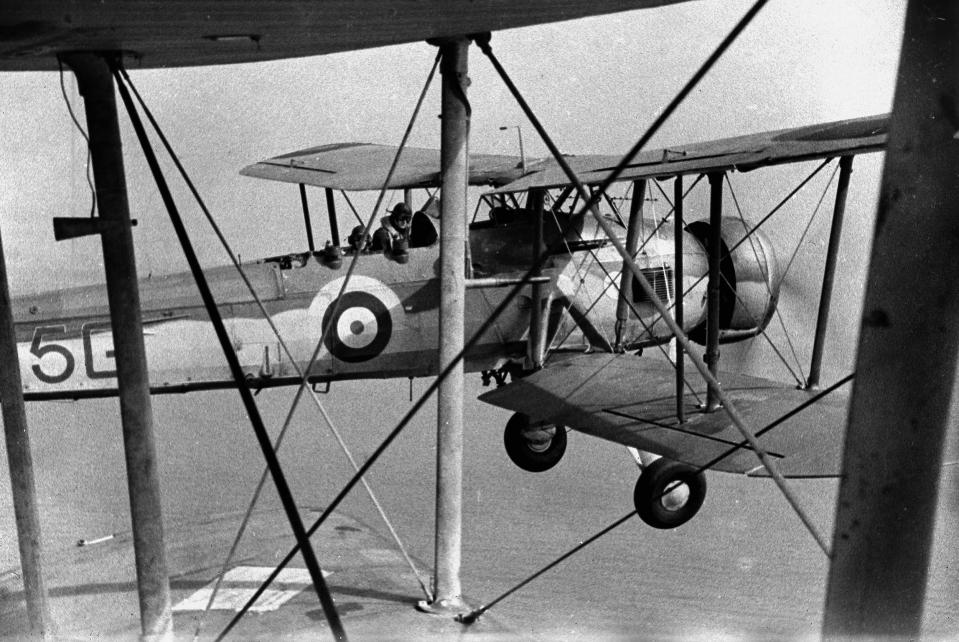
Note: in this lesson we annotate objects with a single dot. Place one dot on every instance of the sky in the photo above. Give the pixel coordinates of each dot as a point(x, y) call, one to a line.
point(595, 83)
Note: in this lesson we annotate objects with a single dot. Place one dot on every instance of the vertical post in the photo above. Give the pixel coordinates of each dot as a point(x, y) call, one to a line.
point(712, 289)
point(408, 198)
point(906, 361)
point(454, 159)
point(626, 277)
point(96, 85)
point(829, 272)
point(306, 220)
point(678, 293)
point(537, 329)
point(20, 462)
point(331, 213)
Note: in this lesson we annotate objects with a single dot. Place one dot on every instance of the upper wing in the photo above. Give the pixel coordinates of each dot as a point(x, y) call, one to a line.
point(631, 400)
point(364, 166)
point(742, 153)
point(175, 33)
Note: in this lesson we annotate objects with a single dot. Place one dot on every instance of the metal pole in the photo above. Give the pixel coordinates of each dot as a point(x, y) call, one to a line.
point(449, 448)
point(678, 290)
point(20, 461)
point(331, 212)
point(829, 272)
point(712, 289)
point(96, 86)
point(908, 343)
point(306, 219)
point(632, 244)
point(537, 198)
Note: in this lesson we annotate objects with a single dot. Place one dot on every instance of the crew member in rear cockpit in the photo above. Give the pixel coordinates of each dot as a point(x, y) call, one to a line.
point(394, 235)
point(359, 242)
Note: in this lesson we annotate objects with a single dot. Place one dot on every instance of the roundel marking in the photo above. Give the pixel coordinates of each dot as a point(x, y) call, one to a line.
point(360, 329)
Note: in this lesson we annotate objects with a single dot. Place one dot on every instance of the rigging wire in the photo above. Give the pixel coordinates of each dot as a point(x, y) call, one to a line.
point(611, 282)
point(472, 616)
point(320, 407)
point(86, 138)
point(352, 209)
point(256, 420)
point(763, 221)
point(305, 381)
point(782, 279)
point(483, 42)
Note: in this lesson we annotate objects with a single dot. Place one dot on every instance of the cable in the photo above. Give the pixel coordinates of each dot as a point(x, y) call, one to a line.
point(735, 417)
point(283, 489)
point(336, 434)
point(73, 117)
point(473, 615)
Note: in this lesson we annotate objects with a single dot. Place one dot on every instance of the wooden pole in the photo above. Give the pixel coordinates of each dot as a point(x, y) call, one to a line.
point(96, 85)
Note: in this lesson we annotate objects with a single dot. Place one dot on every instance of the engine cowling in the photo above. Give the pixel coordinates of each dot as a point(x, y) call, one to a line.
point(749, 287)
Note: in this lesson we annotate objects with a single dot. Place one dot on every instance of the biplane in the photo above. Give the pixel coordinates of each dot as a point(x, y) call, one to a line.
point(385, 323)
point(75, 355)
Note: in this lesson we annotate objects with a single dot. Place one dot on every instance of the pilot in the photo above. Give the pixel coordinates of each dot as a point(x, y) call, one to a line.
point(394, 234)
point(358, 240)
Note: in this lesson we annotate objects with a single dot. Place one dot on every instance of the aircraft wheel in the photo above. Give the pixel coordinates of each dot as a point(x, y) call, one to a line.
point(534, 448)
point(668, 493)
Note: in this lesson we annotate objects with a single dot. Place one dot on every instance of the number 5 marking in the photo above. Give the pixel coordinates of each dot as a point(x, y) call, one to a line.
point(52, 348)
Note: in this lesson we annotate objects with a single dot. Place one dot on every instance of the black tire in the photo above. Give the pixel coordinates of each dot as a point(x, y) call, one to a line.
point(534, 449)
point(651, 495)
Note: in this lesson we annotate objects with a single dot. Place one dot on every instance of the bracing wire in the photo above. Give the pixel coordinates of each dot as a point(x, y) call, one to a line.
point(305, 381)
point(86, 138)
point(613, 176)
point(256, 420)
point(472, 616)
point(763, 221)
point(334, 431)
point(356, 214)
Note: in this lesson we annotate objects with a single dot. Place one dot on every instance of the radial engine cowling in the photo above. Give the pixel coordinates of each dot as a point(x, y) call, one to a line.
point(749, 285)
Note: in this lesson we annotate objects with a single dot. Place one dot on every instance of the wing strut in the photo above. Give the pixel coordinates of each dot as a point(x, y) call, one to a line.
point(829, 272)
point(590, 205)
point(537, 327)
point(306, 219)
point(454, 159)
point(282, 487)
point(331, 213)
point(908, 344)
point(20, 463)
point(715, 249)
point(632, 245)
point(133, 382)
point(678, 292)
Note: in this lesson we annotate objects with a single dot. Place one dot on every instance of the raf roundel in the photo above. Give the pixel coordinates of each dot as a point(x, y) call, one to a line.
point(360, 327)
point(361, 324)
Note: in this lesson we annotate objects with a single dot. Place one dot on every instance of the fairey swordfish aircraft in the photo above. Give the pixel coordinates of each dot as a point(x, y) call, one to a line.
point(386, 321)
point(876, 585)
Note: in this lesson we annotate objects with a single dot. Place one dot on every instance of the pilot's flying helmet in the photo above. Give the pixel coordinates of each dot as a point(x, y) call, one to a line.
point(401, 214)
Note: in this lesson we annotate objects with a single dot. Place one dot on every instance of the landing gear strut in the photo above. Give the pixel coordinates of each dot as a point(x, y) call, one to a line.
point(534, 447)
point(668, 493)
